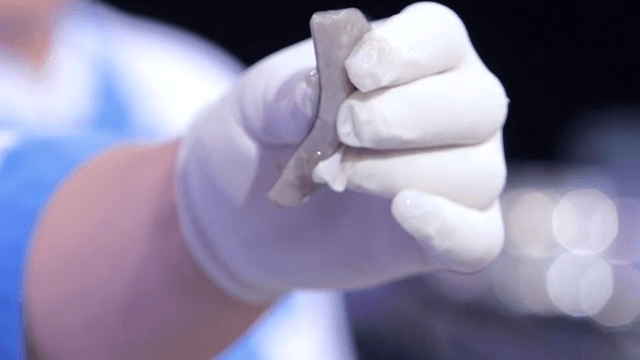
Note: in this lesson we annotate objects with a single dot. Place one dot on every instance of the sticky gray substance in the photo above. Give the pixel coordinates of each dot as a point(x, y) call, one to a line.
point(334, 33)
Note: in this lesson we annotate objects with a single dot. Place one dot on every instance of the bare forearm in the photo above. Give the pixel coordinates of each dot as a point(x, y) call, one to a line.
point(110, 276)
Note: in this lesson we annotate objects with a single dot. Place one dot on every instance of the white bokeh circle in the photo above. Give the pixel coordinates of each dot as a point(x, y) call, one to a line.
point(580, 285)
point(585, 221)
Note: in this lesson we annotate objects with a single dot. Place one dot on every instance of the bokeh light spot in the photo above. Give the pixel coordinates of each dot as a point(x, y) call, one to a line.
point(580, 285)
point(529, 227)
point(585, 221)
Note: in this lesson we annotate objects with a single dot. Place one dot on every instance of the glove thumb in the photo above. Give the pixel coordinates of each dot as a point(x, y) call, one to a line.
point(236, 143)
point(278, 96)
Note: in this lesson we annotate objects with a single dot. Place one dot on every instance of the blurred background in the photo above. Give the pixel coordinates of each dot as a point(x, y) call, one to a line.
point(567, 285)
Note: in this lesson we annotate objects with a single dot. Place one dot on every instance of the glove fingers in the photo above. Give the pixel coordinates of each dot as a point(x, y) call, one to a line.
point(455, 237)
point(425, 38)
point(471, 175)
point(465, 106)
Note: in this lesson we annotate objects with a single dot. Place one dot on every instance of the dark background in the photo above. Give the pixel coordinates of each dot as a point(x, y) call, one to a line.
point(555, 59)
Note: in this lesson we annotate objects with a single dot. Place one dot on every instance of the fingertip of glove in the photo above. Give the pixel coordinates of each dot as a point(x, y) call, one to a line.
point(329, 172)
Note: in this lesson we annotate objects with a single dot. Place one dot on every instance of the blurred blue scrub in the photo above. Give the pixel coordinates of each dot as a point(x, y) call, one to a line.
point(111, 78)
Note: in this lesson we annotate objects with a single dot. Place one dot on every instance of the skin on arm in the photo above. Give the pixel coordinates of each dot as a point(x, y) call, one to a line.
point(26, 28)
point(109, 274)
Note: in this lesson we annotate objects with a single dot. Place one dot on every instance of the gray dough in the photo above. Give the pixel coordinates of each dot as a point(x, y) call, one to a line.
point(334, 34)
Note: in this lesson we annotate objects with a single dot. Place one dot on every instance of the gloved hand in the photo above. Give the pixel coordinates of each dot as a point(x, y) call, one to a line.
point(422, 172)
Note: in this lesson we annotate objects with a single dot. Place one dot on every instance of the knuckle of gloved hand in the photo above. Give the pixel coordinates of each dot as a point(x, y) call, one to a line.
point(487, 96)
point(488, 175)
point(496, 171)
point(500, 100)
point(498, 179)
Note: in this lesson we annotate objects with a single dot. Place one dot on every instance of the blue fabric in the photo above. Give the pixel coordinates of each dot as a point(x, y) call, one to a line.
point(29, 173)
point(28, 176)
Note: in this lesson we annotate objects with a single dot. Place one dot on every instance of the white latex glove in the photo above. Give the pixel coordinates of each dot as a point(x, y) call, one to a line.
point(425, 161)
